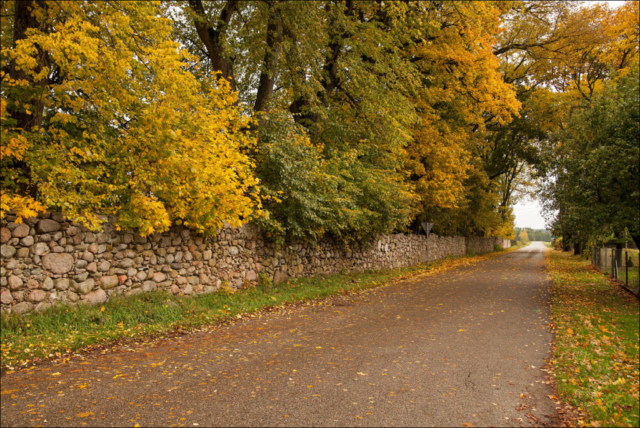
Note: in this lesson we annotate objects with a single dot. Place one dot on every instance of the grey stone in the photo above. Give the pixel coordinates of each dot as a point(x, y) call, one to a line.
point(6, 297)
point(71, 296)
point(280, 276)
point(87, 256)
point(96, 297)
point(134, 292)
point(47, 284)
point(86, 286)
point(131, 272)
point(43, 306)
point(81, 276)
point(108, 282)
point(141, 275)
point(22, 308)
point(149, 286)
point(7, 251)
point(21, 231)
point(125, 263)
point(37, 296)
point(57, 216)
point(5, 235)
point(22, 253)
point(27, 241)
point(58, 263)
point(46, 226)
point(72, 231)
point(233, 250)
point(57, 236)
point(251, 276)
point(39, 249)
point(44, 238)
point(62, 283)
point(159, 277)
point(15, 283)
point(140, 239)
point(104, 266)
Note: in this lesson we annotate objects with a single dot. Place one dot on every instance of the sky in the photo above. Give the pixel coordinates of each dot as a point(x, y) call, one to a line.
point(529, 213)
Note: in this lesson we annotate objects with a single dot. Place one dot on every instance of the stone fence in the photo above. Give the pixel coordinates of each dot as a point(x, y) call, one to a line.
point(49, 261)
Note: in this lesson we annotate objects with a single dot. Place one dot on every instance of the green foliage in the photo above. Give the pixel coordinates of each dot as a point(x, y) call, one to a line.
point(535, 234)
point(309, 196)
point(596, 189)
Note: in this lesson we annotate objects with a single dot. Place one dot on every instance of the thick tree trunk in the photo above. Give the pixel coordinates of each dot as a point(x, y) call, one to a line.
point(212, 36)
point(268, 74)
point(26, 118)
point(566, 237)
point(578, 248)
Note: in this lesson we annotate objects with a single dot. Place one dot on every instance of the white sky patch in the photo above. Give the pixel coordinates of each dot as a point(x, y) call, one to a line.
point(529, 214)
point(614, 3)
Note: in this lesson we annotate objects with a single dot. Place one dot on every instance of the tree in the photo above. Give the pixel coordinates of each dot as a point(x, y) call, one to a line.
point(100, 117)
point(594, 143)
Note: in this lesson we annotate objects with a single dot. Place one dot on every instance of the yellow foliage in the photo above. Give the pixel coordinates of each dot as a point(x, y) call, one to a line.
point(128, 131)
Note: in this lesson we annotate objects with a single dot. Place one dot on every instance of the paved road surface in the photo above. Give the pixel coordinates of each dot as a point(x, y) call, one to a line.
point(464, 346)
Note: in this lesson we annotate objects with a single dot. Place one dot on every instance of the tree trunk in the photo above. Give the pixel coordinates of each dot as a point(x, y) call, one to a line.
point(566, 237)
point(212, 36)
point(268, 74)
point(578, 248)
point(25, 19)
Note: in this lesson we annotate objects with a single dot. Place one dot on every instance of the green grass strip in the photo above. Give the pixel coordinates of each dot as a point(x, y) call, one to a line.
point(596, 346)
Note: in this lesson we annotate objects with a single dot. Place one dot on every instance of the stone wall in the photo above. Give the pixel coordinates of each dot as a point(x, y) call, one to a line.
point(49, 261)
point(484, 245)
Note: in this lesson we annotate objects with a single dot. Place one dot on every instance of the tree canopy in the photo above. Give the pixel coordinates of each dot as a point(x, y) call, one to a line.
point(334, 118)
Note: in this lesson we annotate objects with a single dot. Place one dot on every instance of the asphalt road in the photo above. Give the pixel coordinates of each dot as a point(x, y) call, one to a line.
point(462, 347)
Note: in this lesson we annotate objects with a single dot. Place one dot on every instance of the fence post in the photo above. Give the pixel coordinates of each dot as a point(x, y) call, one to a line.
point(626, 268)
point(613, 257)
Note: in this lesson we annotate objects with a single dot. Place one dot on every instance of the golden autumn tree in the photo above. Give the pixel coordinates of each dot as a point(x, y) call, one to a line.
point(100, 116)
point(462, 92)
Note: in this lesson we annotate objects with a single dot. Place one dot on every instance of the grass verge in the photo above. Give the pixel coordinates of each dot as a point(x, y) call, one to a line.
point(595, 357)
point(61, 332)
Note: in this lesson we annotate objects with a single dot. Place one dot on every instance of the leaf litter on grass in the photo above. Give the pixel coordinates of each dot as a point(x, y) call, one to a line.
point(596, 347)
